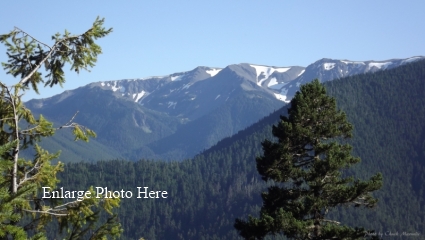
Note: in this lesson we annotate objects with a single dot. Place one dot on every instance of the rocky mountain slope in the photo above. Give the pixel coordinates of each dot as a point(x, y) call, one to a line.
point(178, 115)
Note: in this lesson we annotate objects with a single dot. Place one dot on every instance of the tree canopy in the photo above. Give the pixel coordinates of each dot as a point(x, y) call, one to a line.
point(306, 166)
point(24, 213)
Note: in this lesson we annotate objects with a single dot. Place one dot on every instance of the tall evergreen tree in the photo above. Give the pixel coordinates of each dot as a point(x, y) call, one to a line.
point(22, 210)
point(306, 166)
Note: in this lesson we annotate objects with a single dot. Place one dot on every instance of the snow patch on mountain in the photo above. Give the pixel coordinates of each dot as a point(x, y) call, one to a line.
point(261, 81)
point(186, 86)
point(328, 66)
point(273, 84)
point(151, 77)
point(102, 84)
point(172, 104)
point(138, 95)
point(281, 97)
point(115, 88)
point(266, 71)
point(213, 72)
point(281, 70)
point(351, 62)
point(380, 65)
point(412, 59)
point(301, 72)
point(176, 78)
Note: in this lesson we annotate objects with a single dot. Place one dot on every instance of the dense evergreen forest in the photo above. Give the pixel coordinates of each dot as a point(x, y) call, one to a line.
point(207, 193)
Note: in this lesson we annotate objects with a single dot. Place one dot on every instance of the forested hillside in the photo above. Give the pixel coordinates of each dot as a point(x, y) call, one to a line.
point(208, 192)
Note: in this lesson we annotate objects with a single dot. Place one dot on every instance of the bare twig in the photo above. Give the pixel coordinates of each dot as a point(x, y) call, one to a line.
point(331, 221)
point(56, 211)
point(35, 39)
point(46, 212)
point(66, 204)
point(72, 119)
point(4, 119)
point(67, 125)
point(327, 176)
point(26, 178)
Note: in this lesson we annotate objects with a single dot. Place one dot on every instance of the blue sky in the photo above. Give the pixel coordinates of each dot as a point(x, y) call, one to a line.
point(154, 38)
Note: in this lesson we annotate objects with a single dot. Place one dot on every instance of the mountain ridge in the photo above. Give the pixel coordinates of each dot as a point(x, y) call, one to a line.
point(266, 74)
point(194, 109)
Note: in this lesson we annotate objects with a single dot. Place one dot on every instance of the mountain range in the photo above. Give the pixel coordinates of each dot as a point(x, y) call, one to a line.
point(207, 193)
point(176, 116)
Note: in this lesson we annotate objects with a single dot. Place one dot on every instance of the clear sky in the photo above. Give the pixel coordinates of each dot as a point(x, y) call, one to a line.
point(154, 38)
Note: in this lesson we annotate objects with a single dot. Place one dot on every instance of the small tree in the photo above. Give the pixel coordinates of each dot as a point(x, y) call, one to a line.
point(22, 211)
point(306, 164)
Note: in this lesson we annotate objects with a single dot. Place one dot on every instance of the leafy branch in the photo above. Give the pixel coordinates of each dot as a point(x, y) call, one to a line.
point(20, 179)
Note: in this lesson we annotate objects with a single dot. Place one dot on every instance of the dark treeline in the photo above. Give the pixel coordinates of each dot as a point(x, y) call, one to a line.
point(207, 193)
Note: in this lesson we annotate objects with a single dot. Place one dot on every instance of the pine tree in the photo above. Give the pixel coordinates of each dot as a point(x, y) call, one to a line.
point(22, 210)
point(306, 167)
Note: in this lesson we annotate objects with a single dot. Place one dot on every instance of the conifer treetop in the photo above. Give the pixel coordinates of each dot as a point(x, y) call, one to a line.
point(306, 163)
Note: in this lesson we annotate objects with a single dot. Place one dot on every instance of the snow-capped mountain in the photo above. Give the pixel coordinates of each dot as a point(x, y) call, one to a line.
point(178, 92)
point(190, 95)
point(178, 115)
point(329, 69)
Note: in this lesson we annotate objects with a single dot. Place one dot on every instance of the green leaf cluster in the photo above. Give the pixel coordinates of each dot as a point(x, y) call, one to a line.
point(26, 54)
point(24, 214)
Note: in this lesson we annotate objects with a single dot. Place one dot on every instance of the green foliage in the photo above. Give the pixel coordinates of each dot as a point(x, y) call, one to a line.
point(23, 213)
point(7, 201)
point(27, 55)
point(306, 164)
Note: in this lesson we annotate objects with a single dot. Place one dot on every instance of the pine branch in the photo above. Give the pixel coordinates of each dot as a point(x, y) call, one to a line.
point(52, 49)
point(69, 124)
point(56, 211)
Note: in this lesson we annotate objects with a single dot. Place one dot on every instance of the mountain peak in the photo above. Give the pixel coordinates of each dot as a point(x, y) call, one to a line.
point(279, 82)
